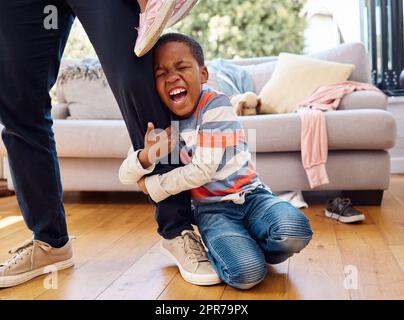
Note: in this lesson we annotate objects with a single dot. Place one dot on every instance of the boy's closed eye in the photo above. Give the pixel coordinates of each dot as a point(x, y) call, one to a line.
point(160, 72)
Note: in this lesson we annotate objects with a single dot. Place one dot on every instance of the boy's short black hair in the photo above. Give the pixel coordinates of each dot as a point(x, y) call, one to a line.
point(193, 45)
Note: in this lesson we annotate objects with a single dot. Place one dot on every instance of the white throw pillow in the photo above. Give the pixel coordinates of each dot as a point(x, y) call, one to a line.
point(296, 78)
point(86, 91)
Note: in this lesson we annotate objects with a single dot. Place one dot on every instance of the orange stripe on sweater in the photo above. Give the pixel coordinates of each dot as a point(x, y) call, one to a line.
point(220, 140)
point(206, 98)
point(202, 192)
point(240, 183)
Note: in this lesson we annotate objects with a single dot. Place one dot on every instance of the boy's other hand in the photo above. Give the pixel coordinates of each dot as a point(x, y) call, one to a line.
point(156, 145)
point(142, 186)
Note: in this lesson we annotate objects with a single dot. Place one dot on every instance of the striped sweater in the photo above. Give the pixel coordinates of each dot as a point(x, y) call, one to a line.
point(213, 147)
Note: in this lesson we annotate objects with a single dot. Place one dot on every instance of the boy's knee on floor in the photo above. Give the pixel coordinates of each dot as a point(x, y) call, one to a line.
point(246, 275)
point(284, 249)
point(289, 245)
point(239, 260)
point(245, 286)
point(296, 244)
point(294, 224)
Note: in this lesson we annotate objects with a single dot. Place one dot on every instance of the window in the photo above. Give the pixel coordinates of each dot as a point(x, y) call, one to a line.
point(382, 32)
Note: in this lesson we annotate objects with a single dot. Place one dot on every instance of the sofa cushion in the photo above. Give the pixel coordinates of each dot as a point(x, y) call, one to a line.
point(351, 53)
point(364, 100)
point(347, 130)
point(91, 138)
point(296, 78)
point(261, 73)
point(85, 90)
point(346, 169)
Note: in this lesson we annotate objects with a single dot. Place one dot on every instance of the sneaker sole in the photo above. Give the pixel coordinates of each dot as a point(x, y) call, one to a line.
point(338, 217)
point(11, 281)
point(156, 29)
point(200, 280)
point(184, 11)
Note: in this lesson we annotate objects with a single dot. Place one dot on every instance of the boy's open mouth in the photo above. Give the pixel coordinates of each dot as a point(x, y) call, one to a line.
point(178, 95)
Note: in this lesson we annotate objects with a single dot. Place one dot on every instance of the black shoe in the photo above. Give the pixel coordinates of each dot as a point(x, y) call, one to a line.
point(341, 209)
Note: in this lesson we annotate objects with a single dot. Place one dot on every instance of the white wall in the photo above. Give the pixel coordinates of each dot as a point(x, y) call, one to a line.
point(321, 33)
point(347, 16)
point(396, 107)
point(324, 19)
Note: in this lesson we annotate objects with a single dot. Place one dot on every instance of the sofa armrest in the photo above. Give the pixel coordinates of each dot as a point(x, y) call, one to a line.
point(60, 111)
point(364, 100)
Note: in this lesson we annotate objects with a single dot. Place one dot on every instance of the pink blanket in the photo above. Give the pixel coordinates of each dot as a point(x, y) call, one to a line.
point(314, 140)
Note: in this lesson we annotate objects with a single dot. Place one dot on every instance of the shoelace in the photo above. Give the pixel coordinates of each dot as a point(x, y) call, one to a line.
point(24, 249)
point(346, 202)
point(145, 20)
point(179, 4)
point(194, 247)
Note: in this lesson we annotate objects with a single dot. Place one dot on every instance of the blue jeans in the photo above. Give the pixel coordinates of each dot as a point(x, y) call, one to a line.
point(243, 238)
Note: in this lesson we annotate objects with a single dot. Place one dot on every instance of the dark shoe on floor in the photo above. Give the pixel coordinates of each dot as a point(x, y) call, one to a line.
point(341, 209)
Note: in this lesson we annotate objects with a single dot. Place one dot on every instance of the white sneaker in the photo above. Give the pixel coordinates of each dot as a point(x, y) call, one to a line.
point(191, 258)
point(181, 10)
point(32, 259)
point(152, 23)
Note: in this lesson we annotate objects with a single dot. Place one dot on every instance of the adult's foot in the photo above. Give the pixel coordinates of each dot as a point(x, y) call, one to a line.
point(191, 258)
point(32, 259)
point(152, 23)
point(182, 8)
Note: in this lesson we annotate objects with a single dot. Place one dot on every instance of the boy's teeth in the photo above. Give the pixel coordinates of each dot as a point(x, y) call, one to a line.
point(177, 91)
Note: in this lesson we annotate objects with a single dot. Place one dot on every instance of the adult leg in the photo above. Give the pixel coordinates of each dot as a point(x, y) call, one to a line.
point(236, 256)
point(280, 229)
point(29, 63)
point(110, 25)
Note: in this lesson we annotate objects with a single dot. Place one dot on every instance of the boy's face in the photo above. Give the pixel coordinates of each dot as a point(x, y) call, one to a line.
point(179, 77)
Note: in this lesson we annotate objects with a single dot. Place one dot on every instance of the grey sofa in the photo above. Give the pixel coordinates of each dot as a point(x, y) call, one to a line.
point(360, 134)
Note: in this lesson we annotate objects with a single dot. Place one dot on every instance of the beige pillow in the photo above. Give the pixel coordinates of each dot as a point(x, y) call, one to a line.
point(84, 88)
point(296, 78)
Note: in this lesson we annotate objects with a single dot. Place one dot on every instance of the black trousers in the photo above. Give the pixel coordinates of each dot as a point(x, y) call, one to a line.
point(30, 56)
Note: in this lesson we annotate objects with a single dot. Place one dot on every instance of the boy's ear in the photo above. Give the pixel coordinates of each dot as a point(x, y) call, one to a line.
point(204, 74)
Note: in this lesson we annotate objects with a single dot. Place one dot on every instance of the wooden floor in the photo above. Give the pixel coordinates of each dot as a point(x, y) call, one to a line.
point(117, 255)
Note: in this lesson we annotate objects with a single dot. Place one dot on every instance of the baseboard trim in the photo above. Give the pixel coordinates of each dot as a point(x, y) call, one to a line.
point(397, 165)
point(4, 191)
